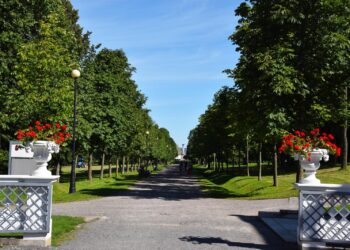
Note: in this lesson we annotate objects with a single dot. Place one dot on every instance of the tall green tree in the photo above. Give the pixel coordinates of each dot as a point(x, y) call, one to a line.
point(38, 40)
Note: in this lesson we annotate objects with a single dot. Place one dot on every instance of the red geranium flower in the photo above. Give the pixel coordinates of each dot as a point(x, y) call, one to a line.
point(338, 152)
point(302, 143)
point(48, 132)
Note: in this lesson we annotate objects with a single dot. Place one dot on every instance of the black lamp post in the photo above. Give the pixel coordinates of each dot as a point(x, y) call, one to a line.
point(147, 146)
point(75, 75)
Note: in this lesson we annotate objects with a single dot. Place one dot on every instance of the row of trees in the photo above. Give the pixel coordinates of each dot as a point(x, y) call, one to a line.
point(41, 42)
point(292, 74)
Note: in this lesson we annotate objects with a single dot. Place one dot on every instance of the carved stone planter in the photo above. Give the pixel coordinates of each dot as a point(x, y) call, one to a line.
point(42, 155)
point(311, 165)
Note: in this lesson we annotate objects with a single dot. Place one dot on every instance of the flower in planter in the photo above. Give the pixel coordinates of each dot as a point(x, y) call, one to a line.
point(302, 144)
point(55, 132)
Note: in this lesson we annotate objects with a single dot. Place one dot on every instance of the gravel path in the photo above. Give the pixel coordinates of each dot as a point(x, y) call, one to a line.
point(168, 211)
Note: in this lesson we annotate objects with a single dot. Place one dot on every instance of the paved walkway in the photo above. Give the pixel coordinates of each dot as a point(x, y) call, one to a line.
point(168, 211)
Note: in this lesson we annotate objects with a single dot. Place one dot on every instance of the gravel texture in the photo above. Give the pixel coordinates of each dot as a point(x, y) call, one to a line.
point(168, 211)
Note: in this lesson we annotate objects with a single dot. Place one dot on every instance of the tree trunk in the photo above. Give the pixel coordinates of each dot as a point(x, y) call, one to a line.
point(139, 165)
point(102, 165)
point(127, 164)
point(275, 163)
point(214, 162)
point(247, 155)
point(110, 168)
point(90, 166)
point(260, 162)
point(299, 174)
point(233, 165)
point(117, 168)
point(123, 165)
point(239, 157)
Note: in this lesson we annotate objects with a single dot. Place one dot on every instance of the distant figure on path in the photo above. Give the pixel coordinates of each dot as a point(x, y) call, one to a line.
point(181, 166)
point(189, 167)
point(185, 165)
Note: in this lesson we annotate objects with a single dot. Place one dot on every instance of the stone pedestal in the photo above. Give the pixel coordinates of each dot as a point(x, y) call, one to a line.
point(324, 218)
point(30, 210)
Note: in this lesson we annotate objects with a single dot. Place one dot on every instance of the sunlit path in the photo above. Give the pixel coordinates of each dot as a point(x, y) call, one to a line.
point(168, 211)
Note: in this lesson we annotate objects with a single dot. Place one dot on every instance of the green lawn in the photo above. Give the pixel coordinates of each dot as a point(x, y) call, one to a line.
point(85, 190)
point(63, 228)
point(234, 185)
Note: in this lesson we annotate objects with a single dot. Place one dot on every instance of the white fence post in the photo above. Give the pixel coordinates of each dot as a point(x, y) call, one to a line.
point(26, 206)
point(324, 215)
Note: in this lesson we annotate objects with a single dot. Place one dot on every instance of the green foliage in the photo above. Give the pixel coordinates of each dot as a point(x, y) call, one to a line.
point(44, 90)
point(291, 75)
point(40, 44)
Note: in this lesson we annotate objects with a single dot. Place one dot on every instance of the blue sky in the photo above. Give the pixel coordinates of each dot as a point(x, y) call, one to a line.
point(179, 48)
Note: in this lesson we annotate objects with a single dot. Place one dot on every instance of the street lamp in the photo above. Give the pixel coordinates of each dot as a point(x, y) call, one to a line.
point(75, 76)
point(147, 148)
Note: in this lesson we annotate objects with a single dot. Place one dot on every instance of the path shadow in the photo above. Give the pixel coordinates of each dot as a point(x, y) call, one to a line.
point(217, 240)
point(167, 185)
point(272, 240)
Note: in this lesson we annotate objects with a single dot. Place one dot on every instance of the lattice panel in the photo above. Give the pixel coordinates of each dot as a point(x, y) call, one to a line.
point(24, 208)
point(325, 217)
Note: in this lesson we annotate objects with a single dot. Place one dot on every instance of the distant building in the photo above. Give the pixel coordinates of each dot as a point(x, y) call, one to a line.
point(181, 152)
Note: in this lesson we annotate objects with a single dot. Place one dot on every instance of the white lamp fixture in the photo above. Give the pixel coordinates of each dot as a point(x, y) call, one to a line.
point(75, 73)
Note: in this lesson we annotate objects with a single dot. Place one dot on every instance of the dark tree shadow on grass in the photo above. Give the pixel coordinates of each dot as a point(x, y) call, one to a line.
point(83, 176)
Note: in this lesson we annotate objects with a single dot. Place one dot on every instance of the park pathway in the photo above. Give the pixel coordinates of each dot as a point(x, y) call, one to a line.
point(168, 211)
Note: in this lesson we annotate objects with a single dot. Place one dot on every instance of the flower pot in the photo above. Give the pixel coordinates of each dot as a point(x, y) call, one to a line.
point(42, 155)
point(311, 165)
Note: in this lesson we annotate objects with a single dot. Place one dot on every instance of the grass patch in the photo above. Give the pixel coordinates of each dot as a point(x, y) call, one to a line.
point(86, 190)
point(11, 235)
point(63, 227)
point(233, 185)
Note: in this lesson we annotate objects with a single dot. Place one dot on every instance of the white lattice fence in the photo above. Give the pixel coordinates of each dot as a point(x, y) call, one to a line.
point(324, 214)
point(24, 207)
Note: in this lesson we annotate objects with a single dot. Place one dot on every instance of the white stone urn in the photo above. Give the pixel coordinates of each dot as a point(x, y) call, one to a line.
point(311, 165)
point(42, 155)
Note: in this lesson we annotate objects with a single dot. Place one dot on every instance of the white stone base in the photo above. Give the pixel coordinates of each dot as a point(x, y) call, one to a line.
point(314, 246)
point(37, 239)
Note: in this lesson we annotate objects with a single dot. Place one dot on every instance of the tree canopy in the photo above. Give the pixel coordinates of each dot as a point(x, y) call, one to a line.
point(40, 44)
point(292, 74)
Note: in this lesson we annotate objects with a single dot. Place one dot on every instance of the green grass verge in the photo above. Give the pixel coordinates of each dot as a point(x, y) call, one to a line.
point(63, 228)
point(86, 190)
point(234, 185)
